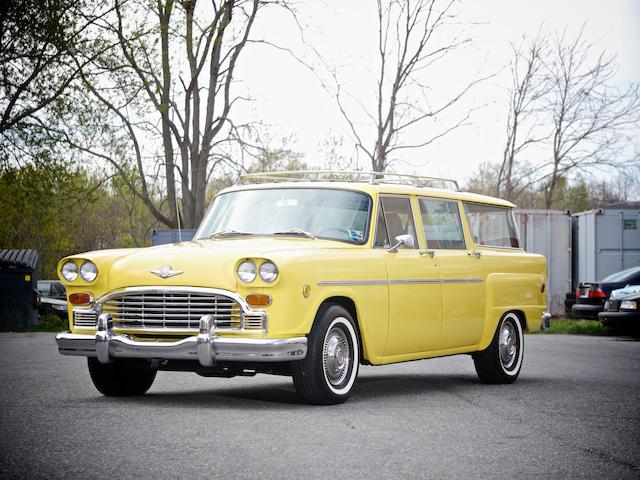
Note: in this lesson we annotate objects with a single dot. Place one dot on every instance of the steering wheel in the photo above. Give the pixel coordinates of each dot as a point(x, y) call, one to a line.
point(335, 229)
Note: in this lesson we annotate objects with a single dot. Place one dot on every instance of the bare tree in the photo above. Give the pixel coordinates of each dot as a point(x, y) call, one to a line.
point(528, 86)
point(593, 123)
point(167, 91)
point(413, 36)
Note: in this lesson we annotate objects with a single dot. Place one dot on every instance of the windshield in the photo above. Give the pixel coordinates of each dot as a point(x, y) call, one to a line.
point(303, 212)
point(622, 276)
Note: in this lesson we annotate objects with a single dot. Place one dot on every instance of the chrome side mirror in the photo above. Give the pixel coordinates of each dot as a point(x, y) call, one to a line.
point(402, 240)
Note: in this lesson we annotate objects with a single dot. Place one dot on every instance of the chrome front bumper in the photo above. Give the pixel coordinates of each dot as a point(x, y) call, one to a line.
point(206, 347)
point(545, 321)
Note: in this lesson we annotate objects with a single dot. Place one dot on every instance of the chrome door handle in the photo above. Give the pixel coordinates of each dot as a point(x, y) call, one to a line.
point(431, 253)
point(476, 253)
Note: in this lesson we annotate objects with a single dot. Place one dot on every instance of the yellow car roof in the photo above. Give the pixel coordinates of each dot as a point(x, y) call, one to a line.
point(378, 188)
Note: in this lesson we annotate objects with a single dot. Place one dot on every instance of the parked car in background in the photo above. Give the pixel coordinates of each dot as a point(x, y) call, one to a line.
point(622, 310)
point(591, 297)
point(53, 298)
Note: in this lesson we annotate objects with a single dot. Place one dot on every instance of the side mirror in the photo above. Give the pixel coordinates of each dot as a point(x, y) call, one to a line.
point(402, 240)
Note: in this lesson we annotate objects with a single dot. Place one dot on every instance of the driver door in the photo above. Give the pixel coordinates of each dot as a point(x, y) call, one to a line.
point(415, 290)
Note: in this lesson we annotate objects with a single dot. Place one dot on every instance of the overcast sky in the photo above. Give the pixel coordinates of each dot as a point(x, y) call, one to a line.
point(290, 98)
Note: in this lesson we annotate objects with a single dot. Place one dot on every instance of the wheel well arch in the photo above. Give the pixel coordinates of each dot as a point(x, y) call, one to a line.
point(521, 316)
point(350, 306)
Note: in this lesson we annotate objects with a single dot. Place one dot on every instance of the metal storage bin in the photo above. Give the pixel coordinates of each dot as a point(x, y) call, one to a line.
point(18, 289)
point(607, 241)
point(548, 232)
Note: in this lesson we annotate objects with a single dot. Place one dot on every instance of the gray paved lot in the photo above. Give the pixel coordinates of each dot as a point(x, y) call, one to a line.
point(574, 413)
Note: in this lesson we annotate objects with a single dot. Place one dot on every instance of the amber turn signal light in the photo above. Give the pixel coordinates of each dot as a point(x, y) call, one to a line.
point(258, 300)
point(79, 298)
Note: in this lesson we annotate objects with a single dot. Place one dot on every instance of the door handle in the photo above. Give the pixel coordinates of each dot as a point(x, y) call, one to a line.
point(475, 253)
point(431, 253)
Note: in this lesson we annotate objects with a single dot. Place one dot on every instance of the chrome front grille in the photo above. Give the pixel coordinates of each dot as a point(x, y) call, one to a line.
point(84, 318)
point(178, 310)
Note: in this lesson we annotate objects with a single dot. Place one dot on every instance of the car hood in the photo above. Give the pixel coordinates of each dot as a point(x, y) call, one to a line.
point(625, 292)
point(198, 263)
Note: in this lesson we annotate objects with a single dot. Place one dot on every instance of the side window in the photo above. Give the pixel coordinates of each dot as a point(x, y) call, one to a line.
point(44, 289)
point(382, 237)
point(441, 223)
point(492, 226)
point(398, 219)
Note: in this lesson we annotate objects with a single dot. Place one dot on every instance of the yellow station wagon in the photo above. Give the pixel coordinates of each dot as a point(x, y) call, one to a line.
point(311, 276)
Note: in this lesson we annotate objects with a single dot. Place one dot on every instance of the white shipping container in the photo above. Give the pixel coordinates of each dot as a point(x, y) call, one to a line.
point(608, 241)
point(548, 232)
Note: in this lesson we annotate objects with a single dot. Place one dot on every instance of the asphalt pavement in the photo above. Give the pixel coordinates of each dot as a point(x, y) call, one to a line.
point(573, 413)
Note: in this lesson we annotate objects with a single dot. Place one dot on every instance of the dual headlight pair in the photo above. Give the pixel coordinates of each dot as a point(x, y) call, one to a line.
point(88, 271)
point(247, 271)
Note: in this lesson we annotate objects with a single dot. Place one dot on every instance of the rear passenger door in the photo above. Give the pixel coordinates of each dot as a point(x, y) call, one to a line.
point(463, 297)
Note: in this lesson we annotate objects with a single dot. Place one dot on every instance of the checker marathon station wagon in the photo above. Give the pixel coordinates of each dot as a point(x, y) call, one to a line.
point(309, 275)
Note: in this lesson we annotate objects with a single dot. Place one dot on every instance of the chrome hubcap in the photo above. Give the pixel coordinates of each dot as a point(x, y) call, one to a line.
point(508, 345)
point(337, 356)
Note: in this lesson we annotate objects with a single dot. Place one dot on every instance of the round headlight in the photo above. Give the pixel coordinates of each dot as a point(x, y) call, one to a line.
point(89, 271)
point(268, 272)
point(247, 271)
point(69, 271)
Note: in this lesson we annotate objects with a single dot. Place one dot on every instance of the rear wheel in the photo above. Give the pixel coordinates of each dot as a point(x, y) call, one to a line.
point(121, 379)
point(327, 374)
point(502, 360)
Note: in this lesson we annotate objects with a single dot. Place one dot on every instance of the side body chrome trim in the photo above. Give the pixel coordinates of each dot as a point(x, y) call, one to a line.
point(408, 281)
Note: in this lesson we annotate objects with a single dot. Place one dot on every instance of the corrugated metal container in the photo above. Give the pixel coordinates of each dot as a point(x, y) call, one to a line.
point(161, 237)
point(608, 240)
point(548, 232)
point(18, 292)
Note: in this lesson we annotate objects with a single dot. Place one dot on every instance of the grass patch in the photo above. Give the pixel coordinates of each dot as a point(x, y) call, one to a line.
point(584, 327)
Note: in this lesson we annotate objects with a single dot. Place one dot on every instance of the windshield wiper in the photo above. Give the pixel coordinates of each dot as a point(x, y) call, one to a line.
point(296, 231)
point(228, 233)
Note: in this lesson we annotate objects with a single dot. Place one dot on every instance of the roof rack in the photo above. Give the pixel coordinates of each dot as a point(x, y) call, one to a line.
point(373, 178)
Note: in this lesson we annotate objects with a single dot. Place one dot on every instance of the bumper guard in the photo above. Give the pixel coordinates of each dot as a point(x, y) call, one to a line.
point(206, 347)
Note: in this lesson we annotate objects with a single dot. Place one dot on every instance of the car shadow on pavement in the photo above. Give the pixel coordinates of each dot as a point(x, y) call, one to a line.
point(279, 396)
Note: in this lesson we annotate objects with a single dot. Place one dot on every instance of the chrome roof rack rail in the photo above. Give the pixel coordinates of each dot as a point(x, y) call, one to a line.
point(349, 176)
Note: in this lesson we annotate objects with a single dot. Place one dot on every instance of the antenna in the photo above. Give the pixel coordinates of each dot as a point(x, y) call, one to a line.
point(178, 218)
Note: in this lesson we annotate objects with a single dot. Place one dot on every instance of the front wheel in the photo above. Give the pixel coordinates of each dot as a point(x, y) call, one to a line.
point(502, 360)
point(327, 374)
point(121, 379)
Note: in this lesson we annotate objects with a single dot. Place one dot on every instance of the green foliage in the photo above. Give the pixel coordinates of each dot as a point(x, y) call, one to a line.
point(40, 42)
point(51, 322)
point(59, 210)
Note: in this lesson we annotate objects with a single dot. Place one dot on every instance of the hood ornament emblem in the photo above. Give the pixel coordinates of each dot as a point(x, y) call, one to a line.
point(165, 271)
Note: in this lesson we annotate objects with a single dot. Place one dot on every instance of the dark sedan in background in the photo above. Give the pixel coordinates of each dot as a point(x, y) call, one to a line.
point(53, 298)
point(622, 310)
point(590, 297)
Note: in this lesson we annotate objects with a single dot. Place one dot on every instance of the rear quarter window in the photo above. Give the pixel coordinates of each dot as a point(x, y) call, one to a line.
point(492, 226)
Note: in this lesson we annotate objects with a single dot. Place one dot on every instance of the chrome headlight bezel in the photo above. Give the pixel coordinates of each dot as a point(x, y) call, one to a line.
point(268, 271)
point(89, 271)
point(247, 271)
point(69, 271)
